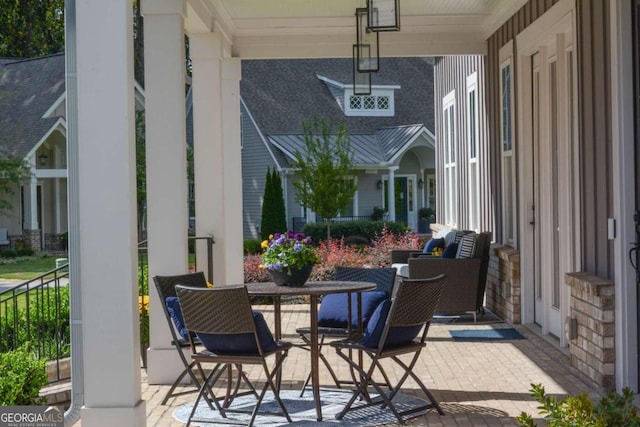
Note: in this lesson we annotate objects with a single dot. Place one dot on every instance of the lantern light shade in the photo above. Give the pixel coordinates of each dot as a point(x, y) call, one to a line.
point(383, 15)
point(361, 81)
point(367, 41)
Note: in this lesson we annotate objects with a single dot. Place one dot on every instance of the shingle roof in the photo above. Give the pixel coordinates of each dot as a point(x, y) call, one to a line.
point(281, 94)
point(28, 88)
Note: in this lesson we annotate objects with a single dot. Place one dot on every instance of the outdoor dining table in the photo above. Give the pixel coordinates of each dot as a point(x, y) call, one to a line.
point(313, 290)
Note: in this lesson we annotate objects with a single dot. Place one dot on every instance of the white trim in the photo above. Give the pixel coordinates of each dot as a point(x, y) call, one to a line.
point(61, 122)
point(47, 114)
point(623, 185)
point(473, 172)
point(428, 137)
point(450, 158)
point(373, 112)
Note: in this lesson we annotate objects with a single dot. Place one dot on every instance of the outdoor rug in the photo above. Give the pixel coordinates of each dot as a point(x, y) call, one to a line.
point(301, 410)
point(486, 334)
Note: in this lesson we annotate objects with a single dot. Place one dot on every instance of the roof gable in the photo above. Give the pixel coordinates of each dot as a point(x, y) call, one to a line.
point(28, 89)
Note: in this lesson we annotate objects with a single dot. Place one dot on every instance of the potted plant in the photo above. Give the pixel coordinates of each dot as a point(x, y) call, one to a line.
point(425, 217)
point(289, 258)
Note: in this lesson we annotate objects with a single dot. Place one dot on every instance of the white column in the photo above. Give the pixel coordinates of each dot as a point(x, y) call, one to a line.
point(107, 255)
point(167, 211)
point(391, 193)
point(624, 195)
point(205, 50)
point(217, 154)
point(33, 200)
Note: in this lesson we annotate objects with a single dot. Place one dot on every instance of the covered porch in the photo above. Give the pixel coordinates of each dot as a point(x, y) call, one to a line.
point(108, 382)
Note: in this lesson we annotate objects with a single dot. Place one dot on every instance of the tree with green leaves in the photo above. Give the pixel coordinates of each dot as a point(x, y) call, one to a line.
point(13, 172)
point(273, 212)
point(324, 169)
point(31, 28)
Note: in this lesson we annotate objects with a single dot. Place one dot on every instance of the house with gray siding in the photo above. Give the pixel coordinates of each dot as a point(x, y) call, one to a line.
point(390, 132)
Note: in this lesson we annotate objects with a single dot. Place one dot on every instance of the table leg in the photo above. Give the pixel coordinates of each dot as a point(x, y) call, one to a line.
point(315, 375)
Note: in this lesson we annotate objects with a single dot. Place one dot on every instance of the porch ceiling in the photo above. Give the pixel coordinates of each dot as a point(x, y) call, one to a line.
point(326, 28)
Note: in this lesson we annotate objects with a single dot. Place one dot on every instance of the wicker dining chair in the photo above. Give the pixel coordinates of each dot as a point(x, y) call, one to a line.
point(232, 334)
point(398, 327)
point(165, 285)
point(333, 320)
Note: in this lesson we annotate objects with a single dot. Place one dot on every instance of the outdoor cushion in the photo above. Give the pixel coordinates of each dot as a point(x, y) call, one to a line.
point(402, 269)
point(333, 309)
point(396, 336)
point(431, 244)
point(240, 343)
point(467, 246)
point(173, 307)
point(450, 251)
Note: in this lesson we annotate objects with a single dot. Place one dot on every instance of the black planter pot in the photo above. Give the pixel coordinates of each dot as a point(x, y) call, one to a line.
point(291, 277)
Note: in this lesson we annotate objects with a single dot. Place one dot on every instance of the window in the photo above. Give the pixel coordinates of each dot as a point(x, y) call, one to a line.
point(508, 168)
point(379, 103)
point(450, 180)
point(472, 137)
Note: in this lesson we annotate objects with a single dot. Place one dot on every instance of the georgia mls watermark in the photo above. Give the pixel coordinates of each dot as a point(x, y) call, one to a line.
point(31, 416)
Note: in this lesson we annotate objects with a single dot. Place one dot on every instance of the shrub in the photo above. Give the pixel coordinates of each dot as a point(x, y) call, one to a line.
point(378, 213)
point(47, 321)
point(613, 410)
point(252, 247)
point(338, 253)
point(23, 375)
point(367, 229)
point(9, 253)
point(25, 252)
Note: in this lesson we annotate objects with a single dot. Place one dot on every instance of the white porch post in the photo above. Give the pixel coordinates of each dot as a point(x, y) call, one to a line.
point(33, 200)
point(624, 195)
point(167, 211)
point(391, 193)
point(217, 154)
point(106, 240)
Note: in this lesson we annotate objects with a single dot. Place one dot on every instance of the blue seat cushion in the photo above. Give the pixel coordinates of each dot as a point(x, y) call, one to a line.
point(432, 244)
point(333, 309)
point(397, 336)
point(450, 251)
point(173, 307)
point(240, 343)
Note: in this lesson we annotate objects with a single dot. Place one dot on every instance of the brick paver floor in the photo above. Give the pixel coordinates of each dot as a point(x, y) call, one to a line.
point(476, 383)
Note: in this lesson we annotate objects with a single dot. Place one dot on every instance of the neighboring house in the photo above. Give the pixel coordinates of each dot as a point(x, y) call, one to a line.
point(33, 127)
point(390, 132)
point(539, 112)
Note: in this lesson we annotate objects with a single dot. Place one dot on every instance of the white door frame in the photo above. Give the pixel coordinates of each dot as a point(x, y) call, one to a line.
point(556, 28)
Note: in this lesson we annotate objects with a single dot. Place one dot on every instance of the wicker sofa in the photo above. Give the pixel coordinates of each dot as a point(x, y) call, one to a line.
point(466, 277)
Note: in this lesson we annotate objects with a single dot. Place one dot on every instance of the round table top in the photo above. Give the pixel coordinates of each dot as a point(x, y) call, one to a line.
point(309, 288)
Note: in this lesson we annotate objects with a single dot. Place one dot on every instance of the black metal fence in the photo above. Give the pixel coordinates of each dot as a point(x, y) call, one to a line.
point(298, 222)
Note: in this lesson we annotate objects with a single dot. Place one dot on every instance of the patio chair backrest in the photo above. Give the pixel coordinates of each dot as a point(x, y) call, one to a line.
point(165, 285)
point(384, 278)
point(221, 311)
point(414, 304)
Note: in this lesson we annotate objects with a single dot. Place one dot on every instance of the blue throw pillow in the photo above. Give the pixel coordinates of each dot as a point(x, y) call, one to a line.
point(333, 309)
point(173, 307)
point(433, 243)
point(396, 336)
point(450, 251)
point(240, 343)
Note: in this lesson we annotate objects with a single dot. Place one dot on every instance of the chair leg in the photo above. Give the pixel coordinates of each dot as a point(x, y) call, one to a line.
point(205, 388)
point(270, 384)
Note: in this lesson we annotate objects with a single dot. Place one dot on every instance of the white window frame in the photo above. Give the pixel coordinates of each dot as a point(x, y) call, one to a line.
point(372, 112)
point(472, 139)
point(507, 149)
point(449, 159)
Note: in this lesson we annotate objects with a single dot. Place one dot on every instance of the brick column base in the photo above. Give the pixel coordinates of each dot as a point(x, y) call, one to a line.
point(593, 308)
point(32, 239)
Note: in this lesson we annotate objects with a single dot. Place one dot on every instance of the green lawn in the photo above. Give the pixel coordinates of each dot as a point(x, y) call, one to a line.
point(27, 269)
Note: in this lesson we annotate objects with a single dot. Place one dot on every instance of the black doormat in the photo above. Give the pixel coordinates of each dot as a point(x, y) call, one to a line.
point(504, 334)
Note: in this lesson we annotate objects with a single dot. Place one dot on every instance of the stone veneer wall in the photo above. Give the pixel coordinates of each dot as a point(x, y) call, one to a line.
point(593, 307)
point(32, 239)
point(503, 293)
